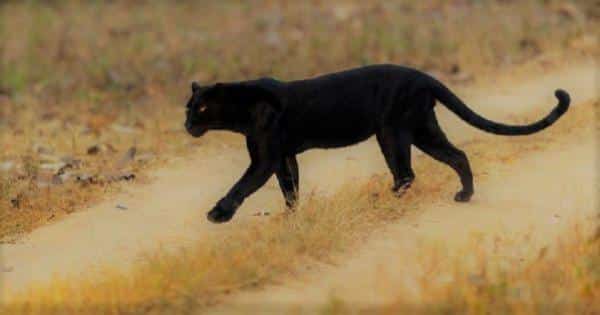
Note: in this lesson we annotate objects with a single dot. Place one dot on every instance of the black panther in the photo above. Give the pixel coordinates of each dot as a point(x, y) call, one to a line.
point(281, 119)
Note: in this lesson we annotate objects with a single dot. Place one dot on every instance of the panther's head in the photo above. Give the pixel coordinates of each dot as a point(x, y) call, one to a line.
point(203, 111)
point(230, 106)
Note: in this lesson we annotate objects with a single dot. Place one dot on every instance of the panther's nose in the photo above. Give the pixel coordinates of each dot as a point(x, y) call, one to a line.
point(188, 125)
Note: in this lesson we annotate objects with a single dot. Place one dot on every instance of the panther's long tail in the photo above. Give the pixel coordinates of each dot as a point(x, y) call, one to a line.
point(453, 103)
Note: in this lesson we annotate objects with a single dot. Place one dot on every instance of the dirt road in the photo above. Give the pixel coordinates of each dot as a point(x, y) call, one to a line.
point(171, 211)
point(536, 199)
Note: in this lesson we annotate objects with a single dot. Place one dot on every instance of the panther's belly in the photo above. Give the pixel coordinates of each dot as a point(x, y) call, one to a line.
point(331, 125)
point(330, 136)
point(329, 143)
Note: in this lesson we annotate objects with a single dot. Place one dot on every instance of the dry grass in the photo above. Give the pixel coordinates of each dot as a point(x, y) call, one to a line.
point(567, 281)
point(562, 279)
point(77, 74)
point(197, 277)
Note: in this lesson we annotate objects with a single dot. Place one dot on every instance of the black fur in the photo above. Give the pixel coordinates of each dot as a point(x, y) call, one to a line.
point(282, 119)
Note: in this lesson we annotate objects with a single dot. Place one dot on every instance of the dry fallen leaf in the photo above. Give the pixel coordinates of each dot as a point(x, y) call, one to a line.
point(93, 150)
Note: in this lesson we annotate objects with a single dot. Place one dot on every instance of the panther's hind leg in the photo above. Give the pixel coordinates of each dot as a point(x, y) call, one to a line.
point(287, 176)
point(431, 139)
point(395, 146)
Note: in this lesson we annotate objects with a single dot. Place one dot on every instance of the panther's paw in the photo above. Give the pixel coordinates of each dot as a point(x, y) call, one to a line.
point(291, 204)
point(463, 196)
point(400, 189)
point(219, 215)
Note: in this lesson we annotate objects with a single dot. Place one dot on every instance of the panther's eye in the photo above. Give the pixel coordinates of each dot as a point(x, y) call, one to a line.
point(201, 109)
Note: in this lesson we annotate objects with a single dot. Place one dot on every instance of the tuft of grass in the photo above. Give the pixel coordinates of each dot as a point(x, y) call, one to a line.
point(194, 278)
point(5, 188)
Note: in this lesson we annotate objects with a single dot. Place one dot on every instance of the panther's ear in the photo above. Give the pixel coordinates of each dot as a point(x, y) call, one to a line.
point(195, 87)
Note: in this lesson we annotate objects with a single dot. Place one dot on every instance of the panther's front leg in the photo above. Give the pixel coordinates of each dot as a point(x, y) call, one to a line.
point(263, 165)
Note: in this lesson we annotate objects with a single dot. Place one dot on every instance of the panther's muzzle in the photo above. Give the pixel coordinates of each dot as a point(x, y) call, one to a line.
point(195, 131)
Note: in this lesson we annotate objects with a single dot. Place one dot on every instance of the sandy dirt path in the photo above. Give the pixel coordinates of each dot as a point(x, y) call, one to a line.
point(170, 211)
point(536, 198)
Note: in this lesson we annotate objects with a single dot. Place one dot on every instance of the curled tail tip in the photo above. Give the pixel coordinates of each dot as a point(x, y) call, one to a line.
point(563, 100)
point(563, 97)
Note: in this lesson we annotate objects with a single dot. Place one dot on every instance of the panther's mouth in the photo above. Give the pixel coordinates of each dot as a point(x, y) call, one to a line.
point(196, 131)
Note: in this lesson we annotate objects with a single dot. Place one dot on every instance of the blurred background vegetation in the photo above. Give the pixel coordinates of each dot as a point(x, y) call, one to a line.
point(78, 77)
point(103, 53)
